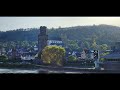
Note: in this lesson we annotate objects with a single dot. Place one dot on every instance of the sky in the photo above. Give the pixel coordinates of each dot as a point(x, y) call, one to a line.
point(11, 23)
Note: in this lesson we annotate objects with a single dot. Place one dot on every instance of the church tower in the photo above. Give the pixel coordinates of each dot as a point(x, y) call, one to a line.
point(14, 52)
point(42, 38)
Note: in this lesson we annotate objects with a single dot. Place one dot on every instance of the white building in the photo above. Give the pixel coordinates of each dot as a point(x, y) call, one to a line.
point(35, 48)
point(28, 56)
point(74, 53)
point(83, 55)
point(2, 51)
point(55, 42)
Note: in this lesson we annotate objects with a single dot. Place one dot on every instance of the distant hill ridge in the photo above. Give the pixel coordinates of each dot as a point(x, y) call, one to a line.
point(103, 33)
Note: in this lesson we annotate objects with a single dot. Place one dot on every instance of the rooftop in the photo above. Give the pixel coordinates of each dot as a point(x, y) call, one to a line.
point(112, 56)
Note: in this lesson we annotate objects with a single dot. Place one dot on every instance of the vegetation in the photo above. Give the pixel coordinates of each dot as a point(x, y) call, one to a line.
point(78, 37)
point(103, 54)
point(73, 45)
point(3, 58)
point(72, 58)
point(75, 38)
point(103, 47)
point(53, 55)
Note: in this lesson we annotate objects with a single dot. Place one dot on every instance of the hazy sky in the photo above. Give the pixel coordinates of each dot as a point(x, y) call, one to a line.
point(10, 23)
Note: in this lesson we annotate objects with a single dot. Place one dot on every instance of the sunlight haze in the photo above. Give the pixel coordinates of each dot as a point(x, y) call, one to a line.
point(11, 23)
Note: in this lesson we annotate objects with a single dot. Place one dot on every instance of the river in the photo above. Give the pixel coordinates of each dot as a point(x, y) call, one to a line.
point(44, 70)
point(17, 71)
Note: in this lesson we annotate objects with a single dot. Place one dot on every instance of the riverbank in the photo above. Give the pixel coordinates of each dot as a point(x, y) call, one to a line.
point(18, 66)
point(42, 69)
point(18, 71)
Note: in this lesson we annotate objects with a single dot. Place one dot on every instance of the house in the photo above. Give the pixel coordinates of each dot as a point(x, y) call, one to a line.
point(89, 53)
point(27, 56)
point(74, 53)
point(2, 51)
point(83, 55)
point(35, 48)
point(114, 54)
point(78, 54)
point(55, 42)
point(13, 53)
point(112, 60)
point(23, 54)
point(68, 52)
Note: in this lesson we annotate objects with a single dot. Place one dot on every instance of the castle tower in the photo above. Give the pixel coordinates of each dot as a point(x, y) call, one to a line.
point(14, 53)
point(42, 38)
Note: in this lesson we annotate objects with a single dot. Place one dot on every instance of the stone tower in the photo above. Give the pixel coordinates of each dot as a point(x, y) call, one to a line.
point(42, 38)
point(14, 53)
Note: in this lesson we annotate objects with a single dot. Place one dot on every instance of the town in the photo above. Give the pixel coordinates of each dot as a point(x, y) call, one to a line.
point(87, 58)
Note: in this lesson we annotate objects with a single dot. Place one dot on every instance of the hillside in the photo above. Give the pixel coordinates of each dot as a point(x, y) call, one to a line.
point(102, 33)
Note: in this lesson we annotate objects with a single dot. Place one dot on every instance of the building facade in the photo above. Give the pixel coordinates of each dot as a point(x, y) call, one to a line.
point(42, 38)
point(55, 42)
point(112, 60)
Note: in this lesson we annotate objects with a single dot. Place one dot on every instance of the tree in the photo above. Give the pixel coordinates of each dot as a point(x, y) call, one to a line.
point(94, 44)
point(72, 58)
point(73, 45)
point(53, 55)
point(1, 49)
point(103, 54)
point(3, 58)
point(64, 39)
point(103, 47)
point(12, 44)
point(25, 44)
point(86, 44)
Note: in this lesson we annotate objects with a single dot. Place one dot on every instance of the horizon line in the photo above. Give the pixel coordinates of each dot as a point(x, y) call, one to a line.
point(58, 27)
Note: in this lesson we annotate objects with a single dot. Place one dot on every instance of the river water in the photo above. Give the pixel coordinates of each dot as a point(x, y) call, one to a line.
point(40, 70)
point(17, 71)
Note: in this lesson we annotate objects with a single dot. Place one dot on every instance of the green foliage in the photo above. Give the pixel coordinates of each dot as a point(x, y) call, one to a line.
point(102, 34)
point(64, 39)
point(94, 35)
point(103, 47)
point(94, 44)
point(14, 44)
point(102, 59)
point(105, 53)
point(87, 45)
point(3, 58)
point(72, 58)
point(53, 55)
point(73, 45)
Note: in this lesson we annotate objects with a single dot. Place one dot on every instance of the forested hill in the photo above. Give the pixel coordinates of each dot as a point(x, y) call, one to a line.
point(102, 34)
